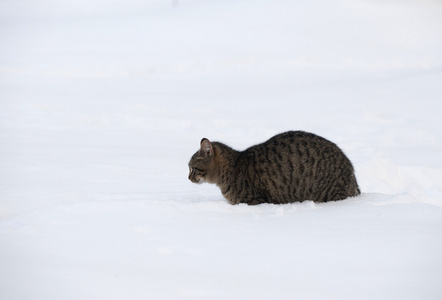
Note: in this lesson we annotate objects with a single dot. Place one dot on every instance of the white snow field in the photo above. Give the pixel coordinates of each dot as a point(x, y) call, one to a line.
point(103, 103)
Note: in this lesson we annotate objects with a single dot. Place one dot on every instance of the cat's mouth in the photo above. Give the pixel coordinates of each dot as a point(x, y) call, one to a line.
point(197, 181)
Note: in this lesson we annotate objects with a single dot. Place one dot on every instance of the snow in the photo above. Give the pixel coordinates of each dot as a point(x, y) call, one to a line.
point(104, 102)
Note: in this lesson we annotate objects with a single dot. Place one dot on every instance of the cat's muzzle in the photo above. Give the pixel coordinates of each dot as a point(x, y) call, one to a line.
point(197, 181)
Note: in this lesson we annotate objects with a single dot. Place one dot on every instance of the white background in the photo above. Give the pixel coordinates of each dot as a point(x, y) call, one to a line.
point(102, 104)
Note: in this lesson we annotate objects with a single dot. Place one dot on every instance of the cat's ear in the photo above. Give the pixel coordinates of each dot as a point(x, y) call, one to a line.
point(206, 148)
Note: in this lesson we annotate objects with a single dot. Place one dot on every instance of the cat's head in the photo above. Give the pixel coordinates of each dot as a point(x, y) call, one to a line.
point(201, 163)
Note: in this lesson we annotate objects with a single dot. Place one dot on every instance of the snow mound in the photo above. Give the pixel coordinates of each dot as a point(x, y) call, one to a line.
point(370, 246)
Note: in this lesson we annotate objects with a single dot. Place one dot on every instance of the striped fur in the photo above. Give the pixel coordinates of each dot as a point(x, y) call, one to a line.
point(290, 167)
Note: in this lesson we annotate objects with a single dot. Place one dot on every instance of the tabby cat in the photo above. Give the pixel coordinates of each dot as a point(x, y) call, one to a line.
point(289, 167)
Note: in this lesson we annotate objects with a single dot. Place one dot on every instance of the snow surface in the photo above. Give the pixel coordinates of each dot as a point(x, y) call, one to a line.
point(104, 102)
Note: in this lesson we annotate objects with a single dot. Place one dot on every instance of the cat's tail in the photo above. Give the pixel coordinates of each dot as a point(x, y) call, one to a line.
point(357, 191)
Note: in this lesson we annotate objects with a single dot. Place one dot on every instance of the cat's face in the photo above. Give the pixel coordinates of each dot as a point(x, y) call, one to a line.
point(199, 165)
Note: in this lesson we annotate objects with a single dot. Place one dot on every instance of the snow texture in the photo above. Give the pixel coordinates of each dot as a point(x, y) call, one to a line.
point(103, 103)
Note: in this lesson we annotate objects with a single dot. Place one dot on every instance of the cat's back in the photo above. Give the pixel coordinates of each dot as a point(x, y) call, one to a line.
point(297, 166)
point(292, 144)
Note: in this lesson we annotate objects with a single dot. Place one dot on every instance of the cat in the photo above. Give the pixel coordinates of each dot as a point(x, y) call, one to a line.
point(290, 167)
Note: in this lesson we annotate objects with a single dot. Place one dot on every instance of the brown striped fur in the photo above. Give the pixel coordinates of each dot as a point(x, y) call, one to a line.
point(289, 167)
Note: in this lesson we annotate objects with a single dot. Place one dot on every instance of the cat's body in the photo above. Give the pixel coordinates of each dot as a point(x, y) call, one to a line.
point(289, 167)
